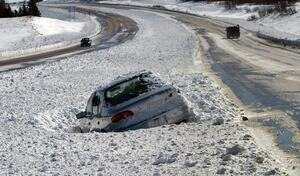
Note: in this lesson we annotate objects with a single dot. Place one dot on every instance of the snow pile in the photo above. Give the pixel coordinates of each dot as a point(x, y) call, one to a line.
point(48, 26)
point(38, 103)
point(51, 120)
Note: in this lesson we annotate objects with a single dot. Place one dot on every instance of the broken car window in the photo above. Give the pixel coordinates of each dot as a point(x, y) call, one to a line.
point(126, 91)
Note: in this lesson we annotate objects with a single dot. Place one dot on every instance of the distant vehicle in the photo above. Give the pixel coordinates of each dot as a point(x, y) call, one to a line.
point(85, 42)
point(233, 32)
point(136, 100)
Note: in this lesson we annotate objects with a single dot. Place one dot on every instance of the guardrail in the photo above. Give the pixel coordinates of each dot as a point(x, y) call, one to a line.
point(282, 41)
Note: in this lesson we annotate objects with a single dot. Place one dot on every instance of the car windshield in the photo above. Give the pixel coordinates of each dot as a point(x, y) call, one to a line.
point(127, 90)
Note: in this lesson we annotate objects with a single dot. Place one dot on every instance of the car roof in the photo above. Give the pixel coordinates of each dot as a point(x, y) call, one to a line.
point(132, 75)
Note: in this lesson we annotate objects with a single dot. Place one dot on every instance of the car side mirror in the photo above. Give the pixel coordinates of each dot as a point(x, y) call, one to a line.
point(81, 115)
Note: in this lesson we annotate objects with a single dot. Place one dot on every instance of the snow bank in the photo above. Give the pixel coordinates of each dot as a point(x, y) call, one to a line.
point(48, 26)
point(199, 8)
point(288, 24)
point(213, 10)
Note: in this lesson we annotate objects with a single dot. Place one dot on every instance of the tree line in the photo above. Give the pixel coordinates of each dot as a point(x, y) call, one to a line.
point(279, 5)
point(26, 9)
point(257, 2)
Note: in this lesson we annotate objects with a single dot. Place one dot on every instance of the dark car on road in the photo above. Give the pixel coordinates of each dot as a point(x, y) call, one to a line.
point(233, 32)
point(85, 42)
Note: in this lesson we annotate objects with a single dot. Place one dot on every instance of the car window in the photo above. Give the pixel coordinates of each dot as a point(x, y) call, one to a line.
point(126, 91)
point(96, 100)
point(94, 103)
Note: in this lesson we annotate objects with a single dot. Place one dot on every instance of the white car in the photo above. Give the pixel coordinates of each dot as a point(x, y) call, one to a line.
point(133, 101)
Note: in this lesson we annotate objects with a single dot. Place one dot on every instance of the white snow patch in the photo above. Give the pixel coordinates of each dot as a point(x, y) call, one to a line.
point(59, 120)
point(289, 24)
point(49, 26)
point(13, 30)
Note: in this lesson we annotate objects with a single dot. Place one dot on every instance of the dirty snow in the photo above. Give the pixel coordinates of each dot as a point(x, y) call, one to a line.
point(38, 106)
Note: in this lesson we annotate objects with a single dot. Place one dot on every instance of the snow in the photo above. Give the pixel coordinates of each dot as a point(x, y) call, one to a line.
point(285, 27)
point(48, 26)
point(12, 30)
point(213, 9)
point(289, 24)
point(57, 28)
point(14, 1)
point(199, 8)
point(38, 106)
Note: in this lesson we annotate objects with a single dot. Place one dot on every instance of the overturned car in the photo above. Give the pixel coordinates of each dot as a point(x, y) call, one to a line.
point(133, 101)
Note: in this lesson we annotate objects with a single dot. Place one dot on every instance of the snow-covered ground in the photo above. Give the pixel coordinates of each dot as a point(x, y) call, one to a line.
point(31, 34)
point(285, 27)
point(48, 26)
point(289, 24)
point(38, 106)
